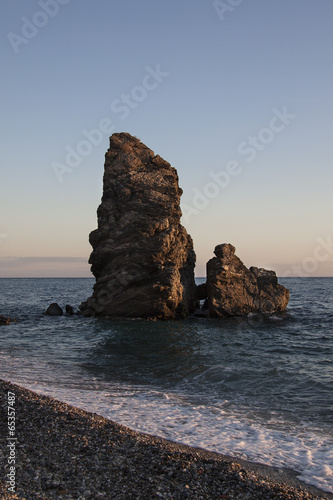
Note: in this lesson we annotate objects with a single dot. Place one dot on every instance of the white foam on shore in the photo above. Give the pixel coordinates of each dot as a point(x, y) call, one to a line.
point(219, 428)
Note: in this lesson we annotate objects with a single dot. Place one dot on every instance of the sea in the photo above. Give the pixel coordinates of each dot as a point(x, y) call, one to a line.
point(258, 388)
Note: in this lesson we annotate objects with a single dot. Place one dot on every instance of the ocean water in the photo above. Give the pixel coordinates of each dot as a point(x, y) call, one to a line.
point(259, 388)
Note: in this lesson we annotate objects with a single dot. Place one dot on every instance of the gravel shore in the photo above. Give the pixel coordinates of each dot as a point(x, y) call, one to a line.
point(63, 452)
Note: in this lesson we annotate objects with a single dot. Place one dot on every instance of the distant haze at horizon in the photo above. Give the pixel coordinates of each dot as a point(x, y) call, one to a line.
point(239, 102)
point(76, 267)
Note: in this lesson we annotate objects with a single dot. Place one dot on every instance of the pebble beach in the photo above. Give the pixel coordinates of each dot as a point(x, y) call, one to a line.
point(62, 452)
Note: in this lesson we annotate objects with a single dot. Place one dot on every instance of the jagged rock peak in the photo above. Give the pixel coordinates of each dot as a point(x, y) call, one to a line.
point(143, 258)
point(234, 290)
point(224, 250)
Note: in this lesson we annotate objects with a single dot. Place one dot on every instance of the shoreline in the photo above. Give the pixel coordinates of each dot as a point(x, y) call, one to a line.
point(65, 452)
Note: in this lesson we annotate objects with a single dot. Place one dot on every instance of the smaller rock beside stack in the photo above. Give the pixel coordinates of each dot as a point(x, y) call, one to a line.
point(234, 290)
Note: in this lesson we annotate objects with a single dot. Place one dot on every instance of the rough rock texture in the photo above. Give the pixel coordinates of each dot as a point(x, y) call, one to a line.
point(234, 290)
point(143, 258)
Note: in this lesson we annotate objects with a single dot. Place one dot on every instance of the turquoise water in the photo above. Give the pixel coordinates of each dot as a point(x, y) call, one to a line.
point(259, 388)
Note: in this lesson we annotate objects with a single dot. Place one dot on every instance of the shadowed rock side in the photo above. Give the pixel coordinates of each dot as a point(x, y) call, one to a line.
point(234, 290)
point(143, 258)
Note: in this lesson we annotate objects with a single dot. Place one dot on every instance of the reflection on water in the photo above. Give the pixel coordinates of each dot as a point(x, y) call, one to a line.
point(260, 381)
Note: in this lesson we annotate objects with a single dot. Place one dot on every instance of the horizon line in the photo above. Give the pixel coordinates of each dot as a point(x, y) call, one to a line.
point(93, 277)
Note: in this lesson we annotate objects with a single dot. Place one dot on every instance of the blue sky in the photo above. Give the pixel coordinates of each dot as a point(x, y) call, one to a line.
point(237, 95)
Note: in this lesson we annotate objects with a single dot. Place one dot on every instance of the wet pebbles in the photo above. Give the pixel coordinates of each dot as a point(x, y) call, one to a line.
point(66, 453)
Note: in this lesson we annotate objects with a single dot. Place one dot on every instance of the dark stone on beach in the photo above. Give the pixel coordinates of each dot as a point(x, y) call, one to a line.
point(54, 310)
point(69, 310)
point(143, 258)
point(234, 290)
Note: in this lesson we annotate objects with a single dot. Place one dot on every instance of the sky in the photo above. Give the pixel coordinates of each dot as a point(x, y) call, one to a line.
point(236, 95)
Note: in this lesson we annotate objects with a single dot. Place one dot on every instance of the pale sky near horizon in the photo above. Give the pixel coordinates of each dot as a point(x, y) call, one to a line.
point(236, 95)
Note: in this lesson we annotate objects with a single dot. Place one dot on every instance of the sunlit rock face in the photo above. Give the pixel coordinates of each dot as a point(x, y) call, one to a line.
point(143, 258)
point(234, 290)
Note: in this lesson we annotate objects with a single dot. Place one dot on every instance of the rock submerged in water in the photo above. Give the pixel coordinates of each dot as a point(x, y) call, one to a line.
point(69, 310)
point(234, 290)
point(54, 310)
point(142, 258)
point(6, 320)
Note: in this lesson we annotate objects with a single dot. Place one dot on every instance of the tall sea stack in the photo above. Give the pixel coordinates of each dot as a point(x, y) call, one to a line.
point(143, 258)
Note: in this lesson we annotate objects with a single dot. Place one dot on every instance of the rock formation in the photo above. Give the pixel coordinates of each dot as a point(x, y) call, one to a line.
point(234, 290)
point(54, 310)
point(69, 310)
point(6, 320)
point(143, 258)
